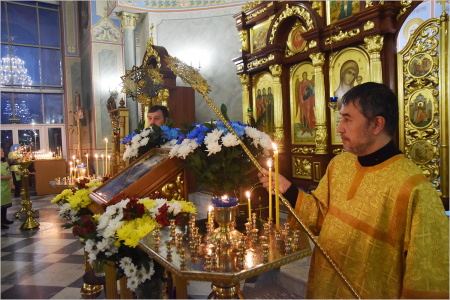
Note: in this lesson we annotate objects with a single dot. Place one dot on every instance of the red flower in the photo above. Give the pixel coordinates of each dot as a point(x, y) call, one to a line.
point(162, 218)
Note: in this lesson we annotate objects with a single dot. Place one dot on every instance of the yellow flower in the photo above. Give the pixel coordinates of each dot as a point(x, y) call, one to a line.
point(95, 217)
point(64, 194)
point(188, 207)
point(133, 231)
point(148, 203)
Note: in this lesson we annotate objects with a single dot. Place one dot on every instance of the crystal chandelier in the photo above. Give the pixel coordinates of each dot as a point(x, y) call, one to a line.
point(14, 67)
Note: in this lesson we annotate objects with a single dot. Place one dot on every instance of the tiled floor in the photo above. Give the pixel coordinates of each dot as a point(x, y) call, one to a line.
point(48, 262)
point(42, 263)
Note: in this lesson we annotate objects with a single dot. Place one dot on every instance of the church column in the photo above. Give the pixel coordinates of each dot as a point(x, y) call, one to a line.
point(276, 71)
point(128, 23)
point(318, 60)
point(245, 96)
point(374, 45)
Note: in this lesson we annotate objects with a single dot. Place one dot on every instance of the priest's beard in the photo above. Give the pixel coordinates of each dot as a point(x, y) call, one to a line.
point(359, 144)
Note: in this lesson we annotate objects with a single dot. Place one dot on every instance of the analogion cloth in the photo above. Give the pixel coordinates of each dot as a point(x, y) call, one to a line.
point(384, 226)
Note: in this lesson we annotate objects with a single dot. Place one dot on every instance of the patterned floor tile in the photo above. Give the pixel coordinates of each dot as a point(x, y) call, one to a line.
point(58, 274)
point(68, 293)
point(31, 292)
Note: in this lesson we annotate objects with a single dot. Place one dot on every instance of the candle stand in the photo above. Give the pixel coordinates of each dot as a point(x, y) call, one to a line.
point(29, 223)
point(225, 233)
point(207, 255)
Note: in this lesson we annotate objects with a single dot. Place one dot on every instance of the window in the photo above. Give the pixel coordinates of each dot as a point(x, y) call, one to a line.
point(31, 74)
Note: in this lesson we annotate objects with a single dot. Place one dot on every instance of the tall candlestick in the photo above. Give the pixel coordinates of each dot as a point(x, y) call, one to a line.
point(96, 159)
point(103, 165)
point(87, 164)
point(109, 164)
point(269, 163)
point(70, 173)
point(105, 171)
point(249, 205)
point(209, 214)
point(277, 188)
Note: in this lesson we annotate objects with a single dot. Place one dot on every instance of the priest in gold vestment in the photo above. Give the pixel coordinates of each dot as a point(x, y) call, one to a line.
point(377, 216)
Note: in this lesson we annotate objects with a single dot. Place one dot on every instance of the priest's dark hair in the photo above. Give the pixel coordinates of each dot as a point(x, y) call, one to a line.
point(163, 109)
point(373, 100)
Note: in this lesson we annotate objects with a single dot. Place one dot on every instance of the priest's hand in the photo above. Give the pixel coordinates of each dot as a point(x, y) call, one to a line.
point(284, 184)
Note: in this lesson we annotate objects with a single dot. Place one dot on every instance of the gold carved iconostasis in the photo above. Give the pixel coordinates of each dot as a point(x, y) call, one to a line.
point(299, 58)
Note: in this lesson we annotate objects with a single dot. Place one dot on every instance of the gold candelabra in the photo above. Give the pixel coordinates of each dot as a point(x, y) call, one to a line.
point(26, 203)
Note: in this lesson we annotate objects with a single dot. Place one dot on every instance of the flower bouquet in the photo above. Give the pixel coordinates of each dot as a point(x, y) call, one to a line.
point(141, 141)
point(115, 234)
point(215, 156)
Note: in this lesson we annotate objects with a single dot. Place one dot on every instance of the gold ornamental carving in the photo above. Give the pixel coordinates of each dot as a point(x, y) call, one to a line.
point(240, 67)
point(369, 26)
point(312, 44)
point(369, 4)
point(245, 81)
point(128, 20)
point(256, 13)
point(303, 150)
point(174, 189)
point(250, 5)
point(275, 70)
point(405, 5)
point(318, 59)
point(317, 6)
point(243, 34)
point(338, 151)
point(290, 11)
point(301, 167)
point(260, 62)
point(342, 36)
point(374, 43)
point(321, 139)
point(420, 113)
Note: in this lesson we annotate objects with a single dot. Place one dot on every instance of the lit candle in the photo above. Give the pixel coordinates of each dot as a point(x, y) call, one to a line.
point(109, 163)
point(105, 171)
point(103, 165)
point(249, 205)
point(70, 173)
point(96, 159)
point(277, 188)
point(87, 164)
point(269, 163)
point(209, 214)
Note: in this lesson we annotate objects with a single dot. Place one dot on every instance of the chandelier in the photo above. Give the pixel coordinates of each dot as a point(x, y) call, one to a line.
point(14, 68)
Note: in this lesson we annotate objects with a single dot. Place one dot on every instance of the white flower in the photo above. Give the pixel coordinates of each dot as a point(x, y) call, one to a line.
point(169, 144)
point(252, 132)
point(136, 138)
point(266, 142)
point(213, 148)
point(146, 132)
point(135, 146)
point(127, 153)
point(213, 136)
point(144, 141)
point(230, 140)
point(175, 208)
point(132, 283)
point(174, 151)
point(185, 148)
point(125, 262)
point(130, 270)
point(103, 244)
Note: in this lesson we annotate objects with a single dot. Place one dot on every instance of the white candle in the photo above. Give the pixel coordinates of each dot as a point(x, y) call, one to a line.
point(249, 205)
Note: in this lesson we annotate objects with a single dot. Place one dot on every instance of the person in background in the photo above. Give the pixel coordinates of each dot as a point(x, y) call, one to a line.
point(376, 214)
point(17, 180)
point(158, 115)
point(6, 190)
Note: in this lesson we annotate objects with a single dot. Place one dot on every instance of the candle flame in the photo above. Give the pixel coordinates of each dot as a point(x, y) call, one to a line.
point(102, 155)
point(224, 197)
point(106, 139)
point(73, 157)
point(109, 156)
point(274, 147)
point(210, 208)
point(70, 163)
point(248, 194)
point(87, 154)
point(269, 163)
point(96, 155)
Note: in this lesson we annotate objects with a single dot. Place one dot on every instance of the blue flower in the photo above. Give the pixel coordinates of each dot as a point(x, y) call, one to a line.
point(127, 139)
point(239, 128)
point(198, 133)
point(181, 136)
point(169, 133)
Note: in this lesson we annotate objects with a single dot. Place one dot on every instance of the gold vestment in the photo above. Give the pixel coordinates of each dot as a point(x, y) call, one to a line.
point(384, 226)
